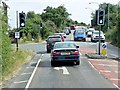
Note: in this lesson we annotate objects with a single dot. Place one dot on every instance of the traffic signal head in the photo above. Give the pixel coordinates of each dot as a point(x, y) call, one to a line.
point(22, 19)
point(101, 14)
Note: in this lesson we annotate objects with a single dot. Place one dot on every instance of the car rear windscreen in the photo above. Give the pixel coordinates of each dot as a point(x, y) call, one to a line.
point(54, 39)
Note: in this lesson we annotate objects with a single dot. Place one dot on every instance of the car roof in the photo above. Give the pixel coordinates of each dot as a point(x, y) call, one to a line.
point(65, 42)
point(53, 36)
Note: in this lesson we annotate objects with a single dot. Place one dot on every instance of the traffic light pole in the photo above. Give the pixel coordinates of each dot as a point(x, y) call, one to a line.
point(17, 30)
point(99, 39)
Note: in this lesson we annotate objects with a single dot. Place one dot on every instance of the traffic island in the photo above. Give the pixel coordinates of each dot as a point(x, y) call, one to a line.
point(95, 56)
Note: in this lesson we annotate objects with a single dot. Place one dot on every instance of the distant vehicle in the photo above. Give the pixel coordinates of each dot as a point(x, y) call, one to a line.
point(51, 41)
point(79, 34)
point(89, 32)
point(72, 27)
point(63, 36)
point(66, 31)
point(68, 28)
point(95, 36)
point(65, 52)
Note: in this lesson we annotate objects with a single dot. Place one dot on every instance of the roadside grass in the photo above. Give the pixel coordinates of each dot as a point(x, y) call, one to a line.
point(15, 62)
point(27, 42)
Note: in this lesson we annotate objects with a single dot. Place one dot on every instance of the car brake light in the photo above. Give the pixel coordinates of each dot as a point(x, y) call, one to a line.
point(55, 54)
point(75, 52)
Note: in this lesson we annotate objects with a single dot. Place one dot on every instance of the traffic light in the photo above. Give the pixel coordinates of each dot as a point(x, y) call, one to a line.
point(22, 19)
point(101, 14)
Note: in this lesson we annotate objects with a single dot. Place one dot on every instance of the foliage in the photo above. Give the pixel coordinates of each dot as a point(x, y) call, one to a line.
point(5, 42)
point(16, 60)
point(112, 34)
point(59, 16)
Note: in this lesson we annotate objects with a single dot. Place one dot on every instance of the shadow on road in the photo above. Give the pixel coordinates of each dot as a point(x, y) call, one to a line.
point(48, 64)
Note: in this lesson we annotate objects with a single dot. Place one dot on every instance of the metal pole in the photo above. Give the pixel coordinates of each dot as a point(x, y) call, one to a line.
point(108, 17)
point(17, 29)
point(100, 6)
point(99, 39)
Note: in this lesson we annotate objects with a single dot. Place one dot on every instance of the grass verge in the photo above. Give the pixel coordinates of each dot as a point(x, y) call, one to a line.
point(15, 62)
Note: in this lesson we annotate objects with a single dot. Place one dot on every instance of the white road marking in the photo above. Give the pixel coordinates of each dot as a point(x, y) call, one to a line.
point(117, 71)
point(116, 86)
point(30, 67)
point(21, 81)
point(57, 68)
point(80, 53)
point(92, 65)
point(104, 71)
point(64, 70)
point(29, 81)
point(108, 65)
point(26, 73)
point(114, 79)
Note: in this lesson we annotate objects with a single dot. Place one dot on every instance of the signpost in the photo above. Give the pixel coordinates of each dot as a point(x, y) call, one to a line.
point(17, 35)
point(104, 49)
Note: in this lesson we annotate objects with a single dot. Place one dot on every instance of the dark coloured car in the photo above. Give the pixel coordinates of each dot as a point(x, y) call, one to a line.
point(62, 36)
point(65, 52)
point(51, 41)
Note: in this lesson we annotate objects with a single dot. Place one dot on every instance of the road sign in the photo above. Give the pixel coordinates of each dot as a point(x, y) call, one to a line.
point(104, 45)
point(17, 34)
point(104, 49)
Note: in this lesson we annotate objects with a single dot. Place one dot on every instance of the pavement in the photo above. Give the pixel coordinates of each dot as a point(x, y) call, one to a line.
point(107, 66)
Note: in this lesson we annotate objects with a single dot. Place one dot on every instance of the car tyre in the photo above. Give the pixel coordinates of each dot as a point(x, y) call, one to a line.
point(75, 39)
point(48, 51)
point(52, 63)
point(78, 62)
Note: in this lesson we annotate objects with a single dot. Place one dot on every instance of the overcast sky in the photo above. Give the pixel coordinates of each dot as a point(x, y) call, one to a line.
point(74, 7)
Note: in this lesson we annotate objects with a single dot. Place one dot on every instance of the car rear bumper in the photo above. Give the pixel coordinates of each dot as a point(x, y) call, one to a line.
point(65, 58)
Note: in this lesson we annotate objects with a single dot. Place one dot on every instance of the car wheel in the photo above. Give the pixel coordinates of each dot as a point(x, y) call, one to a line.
point(78, 62)
point(74, 39)
point(84, 39)
point(52, 63)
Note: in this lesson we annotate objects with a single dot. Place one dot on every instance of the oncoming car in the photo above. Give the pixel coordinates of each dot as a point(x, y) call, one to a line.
point(79, 34)
point(65, 52)
point(95, 36)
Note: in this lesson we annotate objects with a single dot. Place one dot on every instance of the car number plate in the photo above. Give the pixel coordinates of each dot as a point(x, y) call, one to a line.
point(65, 53)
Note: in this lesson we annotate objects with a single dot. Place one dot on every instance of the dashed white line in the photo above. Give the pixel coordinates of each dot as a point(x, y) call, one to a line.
point(26, 73)
point(21, 82)
point(29, 81)
point(30, 67)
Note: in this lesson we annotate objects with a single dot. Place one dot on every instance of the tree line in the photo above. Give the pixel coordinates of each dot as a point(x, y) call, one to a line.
point(52, 19)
